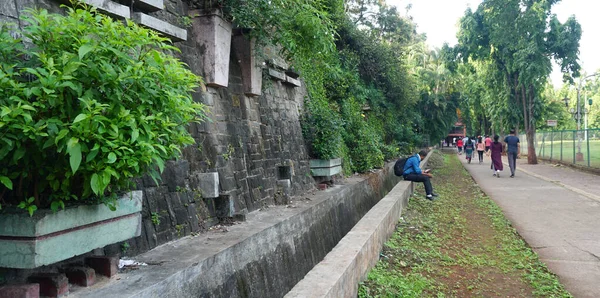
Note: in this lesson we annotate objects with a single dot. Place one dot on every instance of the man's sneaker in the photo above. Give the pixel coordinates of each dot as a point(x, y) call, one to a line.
point(435, 195)
point(494, 174)
point(432, 198)
point(512, 176)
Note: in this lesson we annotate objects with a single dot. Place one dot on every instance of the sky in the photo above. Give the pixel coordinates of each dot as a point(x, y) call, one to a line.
point(439, 19)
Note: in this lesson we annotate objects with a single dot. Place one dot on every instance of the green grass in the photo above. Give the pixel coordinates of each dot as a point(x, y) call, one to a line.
point(461, 245)
point(552, 150)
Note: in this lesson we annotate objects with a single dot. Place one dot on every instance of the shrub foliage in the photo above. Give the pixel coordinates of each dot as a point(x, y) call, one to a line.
point(86, 104)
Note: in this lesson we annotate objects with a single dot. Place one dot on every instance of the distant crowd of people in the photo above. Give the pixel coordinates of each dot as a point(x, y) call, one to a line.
point(484, 145)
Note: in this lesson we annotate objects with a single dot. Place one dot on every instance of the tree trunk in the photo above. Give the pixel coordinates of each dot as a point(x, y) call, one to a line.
point(531, 155)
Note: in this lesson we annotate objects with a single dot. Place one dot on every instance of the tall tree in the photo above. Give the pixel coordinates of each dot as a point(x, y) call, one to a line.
point(519, 38)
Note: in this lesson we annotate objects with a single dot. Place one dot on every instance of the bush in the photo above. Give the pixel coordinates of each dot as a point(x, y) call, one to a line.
point(362, 140)
point(321, 127)
point(87, 105)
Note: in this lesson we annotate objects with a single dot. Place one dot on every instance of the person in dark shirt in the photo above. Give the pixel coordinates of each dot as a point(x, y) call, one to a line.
point(412, 172)
point(512, 144)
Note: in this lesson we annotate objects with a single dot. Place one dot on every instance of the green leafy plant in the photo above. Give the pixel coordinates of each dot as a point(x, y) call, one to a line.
point(229, 154)
point(321, 127)
point(155, 218)
point(124, 247)
point(179, 229)
point(88, 105)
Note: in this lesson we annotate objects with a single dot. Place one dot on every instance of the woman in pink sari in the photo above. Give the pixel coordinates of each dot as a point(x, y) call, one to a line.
point(496, 149)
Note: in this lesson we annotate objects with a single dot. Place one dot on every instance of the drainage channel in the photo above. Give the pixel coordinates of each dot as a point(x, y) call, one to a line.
point(277, 250)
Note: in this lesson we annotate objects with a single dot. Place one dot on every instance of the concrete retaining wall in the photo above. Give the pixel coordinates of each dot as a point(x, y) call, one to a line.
point(262, 257)
point(339, 274)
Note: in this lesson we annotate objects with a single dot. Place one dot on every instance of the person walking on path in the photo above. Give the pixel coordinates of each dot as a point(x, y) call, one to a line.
point(459, 145)
point(412, 172)
point(469, 148)
point(465, 139)
point(480, 149)
point(488, 143)
point(512, 144)
point(496, 154)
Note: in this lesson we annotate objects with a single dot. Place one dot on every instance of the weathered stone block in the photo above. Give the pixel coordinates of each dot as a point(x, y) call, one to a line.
point(279, 75)
point(150, 233)
point(149, 5)
point(224, 206)
point(20, 291)
point(175, 174)
point(172, 31)
point(48, 237)
point(213, 34)
point(293, 82)
point(110, 8)
point(251, 67)
point(8, 8)
point(51, 284)
point(207, 183)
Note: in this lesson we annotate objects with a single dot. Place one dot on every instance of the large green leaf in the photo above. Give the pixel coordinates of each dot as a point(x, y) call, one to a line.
point(6, 181)
point(74, 150)
point(84, 49)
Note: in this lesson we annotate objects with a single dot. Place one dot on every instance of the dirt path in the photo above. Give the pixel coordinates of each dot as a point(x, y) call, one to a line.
point(458, 246)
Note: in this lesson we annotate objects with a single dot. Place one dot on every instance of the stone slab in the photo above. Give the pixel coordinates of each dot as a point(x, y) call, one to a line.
point(110, 8)
point(325, 163)
point(207, 183)
point(149, 5)
point(172, 31)
point(8, 8)
point(43, 222)
point(251, 68)
point(30, 242)
point(213, 34)
point(279, 75)
point(326, 172)
point(293, 82)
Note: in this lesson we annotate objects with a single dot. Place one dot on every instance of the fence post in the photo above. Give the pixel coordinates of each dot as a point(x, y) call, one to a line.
point(561, 145)
point(551, 144)
point(588, 147)
point(574, 145)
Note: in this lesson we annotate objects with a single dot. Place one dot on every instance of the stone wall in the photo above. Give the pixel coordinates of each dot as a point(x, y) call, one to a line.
point(254, 144)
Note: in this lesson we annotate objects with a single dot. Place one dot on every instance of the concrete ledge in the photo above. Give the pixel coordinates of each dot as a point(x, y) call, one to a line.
point(110, 8)
point(149, 5)
point(339, 274)
point(172, 31)
point(262, 257)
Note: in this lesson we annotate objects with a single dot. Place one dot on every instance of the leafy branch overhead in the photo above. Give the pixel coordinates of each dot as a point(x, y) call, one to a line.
point(90, 104)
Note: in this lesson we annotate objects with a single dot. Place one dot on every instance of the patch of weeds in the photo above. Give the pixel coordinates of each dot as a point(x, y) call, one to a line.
point(229, 154)
point(179, 229)
point(155, 217)
point(459, 246)
point(124, 247)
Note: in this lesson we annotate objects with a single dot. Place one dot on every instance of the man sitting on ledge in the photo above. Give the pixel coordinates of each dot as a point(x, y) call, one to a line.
point(412, 172)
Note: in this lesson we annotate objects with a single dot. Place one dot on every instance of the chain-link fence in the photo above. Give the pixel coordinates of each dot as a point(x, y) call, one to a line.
point(581, 147)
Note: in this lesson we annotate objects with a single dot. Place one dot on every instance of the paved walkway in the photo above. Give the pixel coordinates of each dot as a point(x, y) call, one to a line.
point(556, 209)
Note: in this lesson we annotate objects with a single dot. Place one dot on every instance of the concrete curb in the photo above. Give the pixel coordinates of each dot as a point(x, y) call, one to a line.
point(339, 274)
